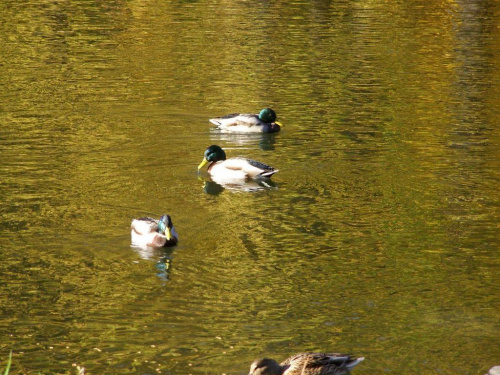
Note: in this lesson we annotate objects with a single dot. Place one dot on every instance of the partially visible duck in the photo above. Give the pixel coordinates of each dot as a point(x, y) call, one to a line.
point(306, 364)
point(147, 231)
point(237, 168)
point(263, 122)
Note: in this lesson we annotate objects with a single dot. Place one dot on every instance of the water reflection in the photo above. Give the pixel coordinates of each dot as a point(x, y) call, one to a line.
point(384, 233)
point(265, 141)
point(215, 186)
point(163, 266)
point(163, 257)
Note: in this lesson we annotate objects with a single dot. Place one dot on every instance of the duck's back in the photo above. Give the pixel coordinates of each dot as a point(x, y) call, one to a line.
point(144, 225)
point(251, 168)
point(320, 364)
point(144, 233)
point(239, 122)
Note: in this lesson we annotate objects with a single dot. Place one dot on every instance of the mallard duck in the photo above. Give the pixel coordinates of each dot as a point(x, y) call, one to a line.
point(264, 122)
point(147, 231)
point(233, 168)
point(306, 364)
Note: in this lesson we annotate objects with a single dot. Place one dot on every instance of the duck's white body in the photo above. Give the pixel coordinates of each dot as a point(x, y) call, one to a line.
point(239, 169)
point(244, 123)
point(144, 233)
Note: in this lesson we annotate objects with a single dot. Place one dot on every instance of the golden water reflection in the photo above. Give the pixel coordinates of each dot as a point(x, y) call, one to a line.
point(379, 235)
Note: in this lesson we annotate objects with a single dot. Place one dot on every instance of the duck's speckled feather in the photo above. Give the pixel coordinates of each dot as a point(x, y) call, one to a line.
point(307, 364)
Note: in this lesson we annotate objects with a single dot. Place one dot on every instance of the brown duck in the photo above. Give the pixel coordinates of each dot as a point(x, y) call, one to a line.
point(306, 364)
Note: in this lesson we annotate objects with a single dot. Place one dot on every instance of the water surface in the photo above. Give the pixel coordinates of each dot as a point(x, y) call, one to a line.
point(379, 235)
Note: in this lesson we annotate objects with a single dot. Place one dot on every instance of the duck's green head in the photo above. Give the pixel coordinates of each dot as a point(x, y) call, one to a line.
point(267, 115)
point(212, 154)
point(165, 226)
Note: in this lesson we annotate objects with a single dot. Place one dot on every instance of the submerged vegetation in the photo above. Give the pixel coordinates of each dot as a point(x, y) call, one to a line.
point(9, 362)
point(80, 369)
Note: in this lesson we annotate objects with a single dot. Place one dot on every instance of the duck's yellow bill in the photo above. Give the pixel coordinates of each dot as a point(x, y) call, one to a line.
point(279, 123)
point(168, 234)
point(203, 163)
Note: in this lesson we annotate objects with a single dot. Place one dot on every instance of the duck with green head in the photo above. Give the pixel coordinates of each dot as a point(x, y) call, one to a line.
point(237, 168)
point(263, 122)
point(147, 231)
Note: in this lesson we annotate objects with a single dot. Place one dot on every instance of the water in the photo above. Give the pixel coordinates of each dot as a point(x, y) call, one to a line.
point(379, 236)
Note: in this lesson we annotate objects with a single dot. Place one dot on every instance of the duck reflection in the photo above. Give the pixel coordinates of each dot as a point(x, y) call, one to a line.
point(215, 187)
point(162, 256)
point(266, 141)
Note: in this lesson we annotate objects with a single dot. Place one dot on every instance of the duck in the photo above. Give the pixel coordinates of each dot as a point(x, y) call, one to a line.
point(150, 232)
point(237, 168)
point(263, 122)
point(306, 364)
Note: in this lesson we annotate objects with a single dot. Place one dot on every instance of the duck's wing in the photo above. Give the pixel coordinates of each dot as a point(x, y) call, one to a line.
point(225, 120)
point(265, 170)
point(329, 362)
point(237, 119)
point(144, 225)
point(252, 168)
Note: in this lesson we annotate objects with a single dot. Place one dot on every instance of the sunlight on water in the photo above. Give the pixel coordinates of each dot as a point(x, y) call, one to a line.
point(378, 236)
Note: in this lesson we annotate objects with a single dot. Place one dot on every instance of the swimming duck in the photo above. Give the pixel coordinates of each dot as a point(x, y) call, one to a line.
point(234, 168)
point(306, 364)
point(147, 231)
point(264, 122)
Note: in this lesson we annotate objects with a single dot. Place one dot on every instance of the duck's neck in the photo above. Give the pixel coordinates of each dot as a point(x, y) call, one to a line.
point(211, 165)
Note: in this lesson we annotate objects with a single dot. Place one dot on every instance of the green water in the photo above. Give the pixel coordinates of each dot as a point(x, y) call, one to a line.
point(380, 236)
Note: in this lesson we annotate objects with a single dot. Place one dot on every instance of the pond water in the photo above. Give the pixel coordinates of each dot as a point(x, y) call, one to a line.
point(379, 236)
